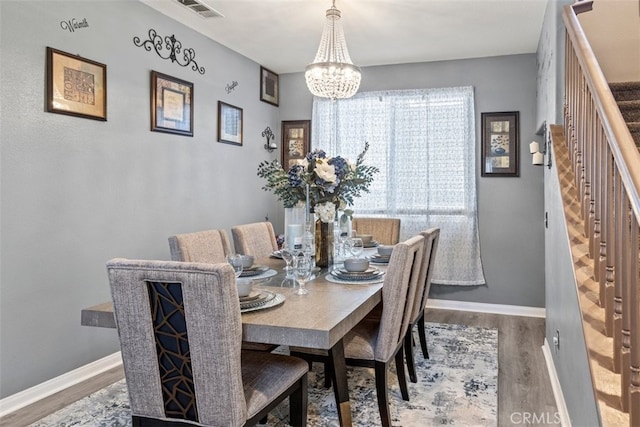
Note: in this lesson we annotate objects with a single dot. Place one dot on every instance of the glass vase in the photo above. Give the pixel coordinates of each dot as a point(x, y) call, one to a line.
point(324, 243)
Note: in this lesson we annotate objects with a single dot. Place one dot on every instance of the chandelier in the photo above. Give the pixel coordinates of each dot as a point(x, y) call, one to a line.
point(332, 74)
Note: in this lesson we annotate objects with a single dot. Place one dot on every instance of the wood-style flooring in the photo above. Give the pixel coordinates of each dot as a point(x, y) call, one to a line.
point(524, 389)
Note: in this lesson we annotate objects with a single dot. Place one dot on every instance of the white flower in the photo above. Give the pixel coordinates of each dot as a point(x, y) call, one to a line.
point(326, 211)
point(325, 171)
point(303, 162)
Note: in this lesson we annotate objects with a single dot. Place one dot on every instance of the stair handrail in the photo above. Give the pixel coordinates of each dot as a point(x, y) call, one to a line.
point(622, 146)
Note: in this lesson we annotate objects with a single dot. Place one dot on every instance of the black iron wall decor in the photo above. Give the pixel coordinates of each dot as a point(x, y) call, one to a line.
point(172, 47)
point(269, 146)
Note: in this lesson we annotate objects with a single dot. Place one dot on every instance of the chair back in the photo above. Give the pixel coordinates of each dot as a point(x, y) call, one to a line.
point(385, 231)
point(398, 293)
point(180, 334)
point(210, 246)
point(257, 239)
point(431, 238)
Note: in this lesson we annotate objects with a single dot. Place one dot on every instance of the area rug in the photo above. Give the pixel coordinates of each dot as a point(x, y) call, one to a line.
point(457, 385)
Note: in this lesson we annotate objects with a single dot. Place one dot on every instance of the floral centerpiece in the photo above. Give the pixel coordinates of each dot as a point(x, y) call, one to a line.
point(333, 182)
point(329, 183)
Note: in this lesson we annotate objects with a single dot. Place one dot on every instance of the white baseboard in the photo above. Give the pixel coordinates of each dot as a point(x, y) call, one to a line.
point(565, 421)
point(510, 310)
point(26, 397)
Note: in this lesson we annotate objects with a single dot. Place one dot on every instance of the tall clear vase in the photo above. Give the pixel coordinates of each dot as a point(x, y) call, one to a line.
point(324, 243)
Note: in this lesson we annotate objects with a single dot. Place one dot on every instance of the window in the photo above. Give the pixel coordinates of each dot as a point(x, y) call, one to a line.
point(423, 141)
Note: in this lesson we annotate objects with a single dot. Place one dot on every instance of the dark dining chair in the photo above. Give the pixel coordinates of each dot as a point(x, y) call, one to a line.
point(257, 239)
point(431, 239)
point(385, 231)
point(180, 334)
point(375, 342)
point(210, 246)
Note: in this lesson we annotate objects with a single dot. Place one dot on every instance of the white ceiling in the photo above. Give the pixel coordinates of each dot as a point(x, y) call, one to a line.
point(283, 35)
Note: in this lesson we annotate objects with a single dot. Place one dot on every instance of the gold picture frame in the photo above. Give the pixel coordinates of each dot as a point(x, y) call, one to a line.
point(76, 86)
point(171, 105)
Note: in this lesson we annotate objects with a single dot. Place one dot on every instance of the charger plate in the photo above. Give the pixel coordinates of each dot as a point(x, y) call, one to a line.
point(255, 270)
point(379, 259)
point(334, 279)
point(372, 244)
point(371, 273)
point(266, 299)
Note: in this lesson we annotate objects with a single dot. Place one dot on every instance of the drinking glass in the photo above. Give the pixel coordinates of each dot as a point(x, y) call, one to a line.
point(356, 247)
point(236, 262)
point(287, 256)
point(303, 272)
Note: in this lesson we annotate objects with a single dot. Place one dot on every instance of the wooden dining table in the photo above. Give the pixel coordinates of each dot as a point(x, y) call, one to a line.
point(318, 320)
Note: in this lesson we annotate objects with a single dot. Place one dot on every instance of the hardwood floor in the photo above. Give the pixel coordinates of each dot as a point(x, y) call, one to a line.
point(525, 396)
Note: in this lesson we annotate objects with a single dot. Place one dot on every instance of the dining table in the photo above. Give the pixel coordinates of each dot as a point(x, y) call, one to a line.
point(317, 320)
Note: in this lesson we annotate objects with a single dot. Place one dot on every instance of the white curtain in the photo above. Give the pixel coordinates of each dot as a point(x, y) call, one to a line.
point(423, 141)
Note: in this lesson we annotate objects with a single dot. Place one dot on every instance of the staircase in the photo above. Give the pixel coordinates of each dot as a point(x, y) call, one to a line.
point(627, 95)
point(602, 141)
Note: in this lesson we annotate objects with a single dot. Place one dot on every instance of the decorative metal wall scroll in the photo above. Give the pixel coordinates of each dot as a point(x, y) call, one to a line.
point(173, 48)
point(269, 146)
point(231, 86)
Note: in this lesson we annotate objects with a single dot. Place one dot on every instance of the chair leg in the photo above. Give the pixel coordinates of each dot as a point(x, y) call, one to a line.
point(382, 393)
point(298, 404)
point(327, 374)
point(423, 336)
point(408, 345)
point(402, 378)
point(265, 419)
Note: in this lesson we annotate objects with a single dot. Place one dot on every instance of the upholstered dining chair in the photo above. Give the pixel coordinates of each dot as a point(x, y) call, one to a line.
point(257, 239)
point(180, 332)
point(431, 239)
point(210, 246)
point(375, 342)
point(385, 231)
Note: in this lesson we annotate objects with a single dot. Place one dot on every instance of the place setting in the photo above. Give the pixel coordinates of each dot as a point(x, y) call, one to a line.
point(245, 267)
point(382, 256)
point(355, 270)
point(250, 299)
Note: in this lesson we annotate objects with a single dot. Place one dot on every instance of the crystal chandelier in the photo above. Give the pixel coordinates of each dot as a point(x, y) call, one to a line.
point(332, 74)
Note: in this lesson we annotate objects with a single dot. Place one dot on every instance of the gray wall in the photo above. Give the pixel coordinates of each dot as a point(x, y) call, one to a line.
point(510, 209)
point(77, 192)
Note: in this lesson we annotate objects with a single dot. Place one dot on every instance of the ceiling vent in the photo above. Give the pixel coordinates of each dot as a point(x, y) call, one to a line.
point(200, 9)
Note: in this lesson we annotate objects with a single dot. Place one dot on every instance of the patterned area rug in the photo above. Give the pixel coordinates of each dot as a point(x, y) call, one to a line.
point(458, 386)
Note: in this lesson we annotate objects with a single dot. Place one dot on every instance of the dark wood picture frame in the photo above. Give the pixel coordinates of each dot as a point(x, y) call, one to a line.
point(76, 86)
point(296, 141)
point(229, 124)
point(171, 105)
point(500, 144)
point(269, 87)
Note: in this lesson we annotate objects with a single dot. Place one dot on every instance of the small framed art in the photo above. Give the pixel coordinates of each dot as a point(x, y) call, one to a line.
point(229, 124)
point(76, 86)
point(500, 147)
point(269, 87)
point(171, 105)
point(296, 140)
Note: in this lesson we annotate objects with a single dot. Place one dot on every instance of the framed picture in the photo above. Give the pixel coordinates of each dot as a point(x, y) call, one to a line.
point(269, 87)
point(76, 86)
point(229, 124)
point(500, 147)
point(296, 140)
point(171, 105)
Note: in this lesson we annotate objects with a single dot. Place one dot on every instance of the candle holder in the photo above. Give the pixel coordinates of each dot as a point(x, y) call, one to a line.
point(270, 145)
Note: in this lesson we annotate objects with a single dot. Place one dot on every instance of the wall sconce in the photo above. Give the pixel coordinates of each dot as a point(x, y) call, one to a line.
point(538, 155)
point(270, 145)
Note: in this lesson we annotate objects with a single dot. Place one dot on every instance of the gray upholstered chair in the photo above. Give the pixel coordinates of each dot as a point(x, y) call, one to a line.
point(385, 231)
point(210, 246)
point(180, 333)
point(431, 239)
point(257, 239)
point(375, 342)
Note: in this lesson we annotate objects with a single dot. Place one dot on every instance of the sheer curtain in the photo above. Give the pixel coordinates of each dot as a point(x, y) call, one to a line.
point(423, 141)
